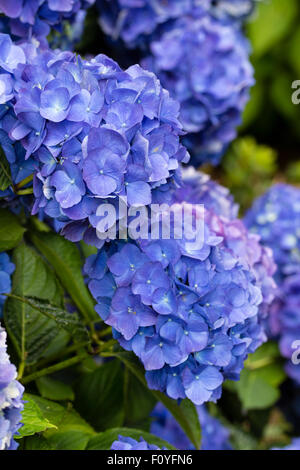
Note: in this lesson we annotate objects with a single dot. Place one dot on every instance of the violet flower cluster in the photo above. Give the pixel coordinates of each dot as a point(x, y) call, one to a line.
point(214, 435)
point(6, 270)
point(191, 315)
point(127, 443)
point(204, 63)
point(34, 19)
point(275, 216)
point(93, 132)
point(11, 404)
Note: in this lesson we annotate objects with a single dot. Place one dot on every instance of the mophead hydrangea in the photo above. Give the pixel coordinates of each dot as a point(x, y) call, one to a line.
point(204, 63)
point(92, 132)
point(190, 313)
point(11, 392)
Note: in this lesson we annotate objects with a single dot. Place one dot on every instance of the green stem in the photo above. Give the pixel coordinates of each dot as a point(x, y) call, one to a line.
point(21, 370)
point(24, 182)
point(260, 363)
point(126, 392)
point(107, 345)
point(23, 192)
point(107, 354)
point(73, 348)
point(50, 370)
point(104, 332)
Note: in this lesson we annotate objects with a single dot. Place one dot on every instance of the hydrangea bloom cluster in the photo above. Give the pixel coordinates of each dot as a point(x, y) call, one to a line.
point(127, 443)
point(275, 216)
point(284, 322)
point(94, 132)
point(11, 403)
point(28, 19)
point(214, 435)
point(198, 188)
point(190, 314)
point(134, 20)
point(204, 63)
point(6, 270)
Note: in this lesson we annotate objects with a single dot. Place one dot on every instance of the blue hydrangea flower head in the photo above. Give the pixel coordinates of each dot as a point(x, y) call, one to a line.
point(275, 217)
point(214, 435)
point(204, 63)
point(33, 19)
point(127, 443)
point(191, 315)
point(6, 270)
point(11, 404)
point(95, 133)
